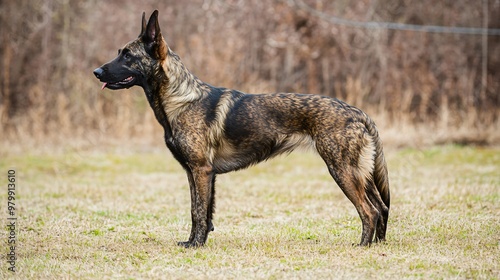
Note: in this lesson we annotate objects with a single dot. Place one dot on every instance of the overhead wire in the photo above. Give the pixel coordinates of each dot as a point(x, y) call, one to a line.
point(395, 25)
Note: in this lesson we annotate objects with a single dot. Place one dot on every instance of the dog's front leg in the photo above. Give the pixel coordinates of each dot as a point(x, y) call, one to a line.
point(193, 199)
point(200, 184)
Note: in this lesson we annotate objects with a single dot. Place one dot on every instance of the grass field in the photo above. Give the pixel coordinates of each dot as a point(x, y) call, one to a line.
point(117, 213)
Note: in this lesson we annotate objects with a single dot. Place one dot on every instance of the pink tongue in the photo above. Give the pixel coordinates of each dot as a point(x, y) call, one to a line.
point(103, 85)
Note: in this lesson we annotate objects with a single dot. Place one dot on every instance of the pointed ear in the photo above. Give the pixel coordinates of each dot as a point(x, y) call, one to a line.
point(154, 43)
point(143, 25)
point(152, 33)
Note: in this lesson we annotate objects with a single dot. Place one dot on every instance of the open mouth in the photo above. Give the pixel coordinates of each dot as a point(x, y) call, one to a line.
point(127, 82)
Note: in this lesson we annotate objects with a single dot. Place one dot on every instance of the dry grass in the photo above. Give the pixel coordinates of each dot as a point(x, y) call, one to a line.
point(118, 213)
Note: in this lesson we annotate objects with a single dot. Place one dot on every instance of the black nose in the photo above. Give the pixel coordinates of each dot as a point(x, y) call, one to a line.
point(98, 72)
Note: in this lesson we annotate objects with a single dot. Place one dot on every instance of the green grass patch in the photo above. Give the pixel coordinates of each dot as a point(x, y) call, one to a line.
point(110, 214)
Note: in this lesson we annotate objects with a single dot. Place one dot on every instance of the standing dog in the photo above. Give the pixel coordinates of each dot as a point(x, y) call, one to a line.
point(212, 130)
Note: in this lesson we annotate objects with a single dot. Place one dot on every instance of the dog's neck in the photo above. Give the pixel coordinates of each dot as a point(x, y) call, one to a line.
point(173, 89)
point(182, 89)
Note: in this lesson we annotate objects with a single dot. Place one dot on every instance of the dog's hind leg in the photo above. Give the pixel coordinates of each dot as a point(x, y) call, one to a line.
point(357, 194)
point(376, 200)
point(342, 161)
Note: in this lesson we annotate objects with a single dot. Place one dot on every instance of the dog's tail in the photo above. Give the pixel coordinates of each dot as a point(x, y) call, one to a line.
point(380, 174)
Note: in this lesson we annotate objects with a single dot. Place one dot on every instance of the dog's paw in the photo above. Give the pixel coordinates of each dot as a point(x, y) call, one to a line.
point(188, 244)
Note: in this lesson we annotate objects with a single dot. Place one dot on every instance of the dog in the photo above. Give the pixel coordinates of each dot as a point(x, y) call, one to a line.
point(213, 130)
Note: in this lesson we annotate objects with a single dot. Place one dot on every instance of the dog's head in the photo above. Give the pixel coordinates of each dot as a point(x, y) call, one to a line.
point(137, 60)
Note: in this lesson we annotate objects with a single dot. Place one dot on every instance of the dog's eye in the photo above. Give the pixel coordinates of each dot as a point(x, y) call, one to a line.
point(126, 54)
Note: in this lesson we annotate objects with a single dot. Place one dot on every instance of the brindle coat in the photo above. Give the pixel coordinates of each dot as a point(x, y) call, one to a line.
point(212, 130)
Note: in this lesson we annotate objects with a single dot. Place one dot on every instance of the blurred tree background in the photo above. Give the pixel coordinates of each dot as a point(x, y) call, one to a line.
point(441, 81)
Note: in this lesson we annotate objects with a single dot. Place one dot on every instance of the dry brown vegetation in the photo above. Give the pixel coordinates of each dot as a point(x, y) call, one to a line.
point(403, 78)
